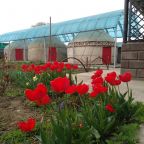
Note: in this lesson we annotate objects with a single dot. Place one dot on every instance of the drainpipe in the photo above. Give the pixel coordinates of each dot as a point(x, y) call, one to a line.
point(125, 20)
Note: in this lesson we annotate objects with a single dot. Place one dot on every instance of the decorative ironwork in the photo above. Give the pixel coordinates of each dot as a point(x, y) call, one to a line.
point(136, 29)
point(135, 20)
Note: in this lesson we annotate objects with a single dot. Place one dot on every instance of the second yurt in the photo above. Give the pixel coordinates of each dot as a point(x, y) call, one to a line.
point(92, 47)
point(53, 48)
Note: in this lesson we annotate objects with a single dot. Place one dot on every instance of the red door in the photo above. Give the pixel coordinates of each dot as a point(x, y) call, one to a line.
point(52, 54)
point(19, 54)
point(106, 55)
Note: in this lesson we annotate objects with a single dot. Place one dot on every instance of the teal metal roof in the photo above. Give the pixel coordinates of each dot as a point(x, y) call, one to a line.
point(66, 30)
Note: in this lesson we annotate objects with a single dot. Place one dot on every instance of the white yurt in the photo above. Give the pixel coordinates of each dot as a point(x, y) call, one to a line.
point(92, 47)
point(55, 49)
point(16, 51)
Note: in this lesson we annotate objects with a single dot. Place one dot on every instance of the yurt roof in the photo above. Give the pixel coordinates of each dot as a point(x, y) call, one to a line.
point(54, 42)
point(98, 35)
point(17, 44)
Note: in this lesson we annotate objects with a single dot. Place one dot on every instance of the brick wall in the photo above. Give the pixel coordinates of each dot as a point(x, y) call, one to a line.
point(132, 59)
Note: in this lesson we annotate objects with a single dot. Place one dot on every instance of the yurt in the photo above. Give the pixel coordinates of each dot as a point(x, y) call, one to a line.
point(92, 47)
point(16, 51)
point(53, 48)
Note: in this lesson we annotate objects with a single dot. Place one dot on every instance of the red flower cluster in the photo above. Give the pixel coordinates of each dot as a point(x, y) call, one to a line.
point(38, 95)
point(97, 84)
point(71, 67)
point(82, 89)
point(111, 78)
point(110, 108)
point(27, 126)
point(97, 74)
point(97, 80)
point(55, 66)
point(126, 77)
point(97, 89)
point(60, 84)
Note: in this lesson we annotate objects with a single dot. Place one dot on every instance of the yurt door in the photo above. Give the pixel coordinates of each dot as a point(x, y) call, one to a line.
point(106, 55)
point(52, 54)
point(19, 54)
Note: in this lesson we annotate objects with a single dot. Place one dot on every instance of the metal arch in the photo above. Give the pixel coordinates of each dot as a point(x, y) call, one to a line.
point(105, 62)
point(77, 60)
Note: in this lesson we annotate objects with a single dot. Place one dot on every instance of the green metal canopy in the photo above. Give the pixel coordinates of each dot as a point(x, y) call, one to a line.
point(111, 22)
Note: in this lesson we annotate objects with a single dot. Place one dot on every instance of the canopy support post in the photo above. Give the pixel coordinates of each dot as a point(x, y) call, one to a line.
point(115, 48)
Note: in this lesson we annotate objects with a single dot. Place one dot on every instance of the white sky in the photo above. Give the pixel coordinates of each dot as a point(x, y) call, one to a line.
point(21, 14)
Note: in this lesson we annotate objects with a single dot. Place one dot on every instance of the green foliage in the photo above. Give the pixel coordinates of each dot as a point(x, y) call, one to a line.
point(67, 128)
point(13, 137)
point(139, 114)
point(91, 123)
point(127, 134)
point(80, 119)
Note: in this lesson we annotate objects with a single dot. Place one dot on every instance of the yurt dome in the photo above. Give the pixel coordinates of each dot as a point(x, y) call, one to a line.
point(15, 50)
point(88, 46)
point(56, 50)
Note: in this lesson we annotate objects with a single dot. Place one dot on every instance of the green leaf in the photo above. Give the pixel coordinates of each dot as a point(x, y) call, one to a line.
point(95, 133)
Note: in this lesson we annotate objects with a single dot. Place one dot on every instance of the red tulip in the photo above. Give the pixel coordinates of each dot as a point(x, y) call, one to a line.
point(126, 77)
point(27, 126)
point(93, 94)
point(111, 78)
point(75, 66)
point(29, 95)
point(100, 88)
point(110, 108)
point(38, 95)
point(97, 80)
point(82, 89)
point(98, 73)
point(68, 66)
point(60, 84)
point(71, 89)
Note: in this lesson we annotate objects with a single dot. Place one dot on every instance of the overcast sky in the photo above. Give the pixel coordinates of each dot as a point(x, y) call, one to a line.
point(21, 14)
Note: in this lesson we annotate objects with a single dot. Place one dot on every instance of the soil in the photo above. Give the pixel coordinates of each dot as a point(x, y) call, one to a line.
point(14, 109)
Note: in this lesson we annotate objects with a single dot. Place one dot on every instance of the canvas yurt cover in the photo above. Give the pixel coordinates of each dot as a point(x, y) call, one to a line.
point(91, 45)
point(56, 50)
point(16, 51)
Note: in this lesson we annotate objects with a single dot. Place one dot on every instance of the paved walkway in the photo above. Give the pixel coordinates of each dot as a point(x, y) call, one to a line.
point(137, 87)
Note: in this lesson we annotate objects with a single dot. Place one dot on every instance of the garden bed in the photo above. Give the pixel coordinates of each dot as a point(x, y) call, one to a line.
point(42, 105)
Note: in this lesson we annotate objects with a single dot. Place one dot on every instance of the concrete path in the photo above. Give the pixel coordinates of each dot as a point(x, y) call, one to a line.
point(137, 87)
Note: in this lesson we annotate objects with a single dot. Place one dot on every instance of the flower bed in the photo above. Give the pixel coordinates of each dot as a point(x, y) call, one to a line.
point(71, 114)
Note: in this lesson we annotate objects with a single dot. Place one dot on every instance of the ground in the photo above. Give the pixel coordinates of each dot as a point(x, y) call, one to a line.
point(13, 109)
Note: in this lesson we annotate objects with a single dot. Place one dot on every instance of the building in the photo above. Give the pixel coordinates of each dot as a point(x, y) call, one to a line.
point(16, 51)
point(53, 48)
point(92, 47)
